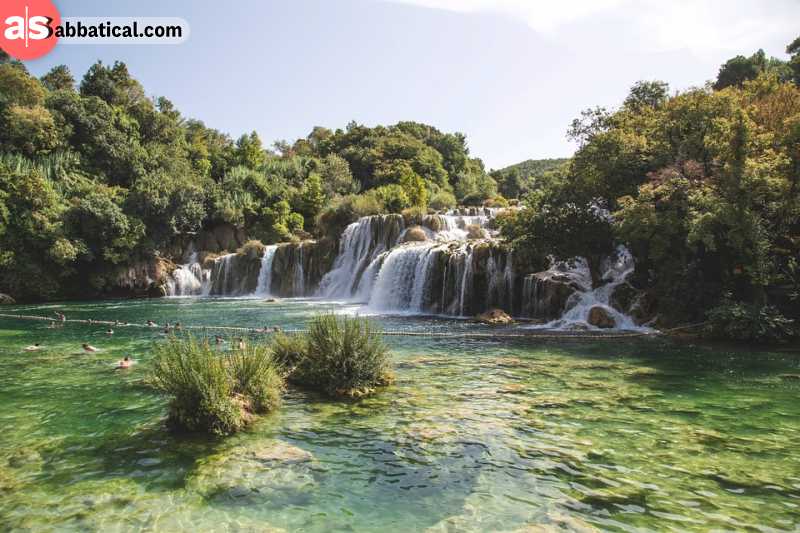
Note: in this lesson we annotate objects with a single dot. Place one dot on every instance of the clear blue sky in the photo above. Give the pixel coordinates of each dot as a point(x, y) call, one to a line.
point(510, 74)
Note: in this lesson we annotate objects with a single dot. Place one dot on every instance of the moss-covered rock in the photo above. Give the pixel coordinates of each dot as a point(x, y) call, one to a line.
point(415, 234)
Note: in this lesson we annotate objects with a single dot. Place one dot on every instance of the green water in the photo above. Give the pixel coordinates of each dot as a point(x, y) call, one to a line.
point(475, 435)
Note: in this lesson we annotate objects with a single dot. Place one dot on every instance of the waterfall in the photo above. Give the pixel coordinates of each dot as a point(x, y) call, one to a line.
point(450, 263)
point(402, 282)
point(264, 286)
point(188, 279)
point(361, 243)
point(299, 284)
point(616, 269)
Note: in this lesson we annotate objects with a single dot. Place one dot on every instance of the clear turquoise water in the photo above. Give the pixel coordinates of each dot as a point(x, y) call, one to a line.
point(488, 435)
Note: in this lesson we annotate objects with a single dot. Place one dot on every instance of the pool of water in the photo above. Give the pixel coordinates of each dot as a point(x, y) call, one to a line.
point(476, 435)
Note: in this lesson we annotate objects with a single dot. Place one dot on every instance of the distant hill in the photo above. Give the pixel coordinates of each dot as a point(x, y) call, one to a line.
point(515, 180)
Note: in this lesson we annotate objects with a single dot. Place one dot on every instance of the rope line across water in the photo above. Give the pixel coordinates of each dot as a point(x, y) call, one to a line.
point(477, 335)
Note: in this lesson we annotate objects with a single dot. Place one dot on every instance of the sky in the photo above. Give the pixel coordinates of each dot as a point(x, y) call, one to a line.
point(509, 74)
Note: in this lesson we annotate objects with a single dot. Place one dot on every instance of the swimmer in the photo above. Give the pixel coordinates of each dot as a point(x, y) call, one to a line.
point(151, 324)
point(33, 347)
point(60, 316)
point(125, 363)
point(88, 348)
point(177, 326)
point(241, 344)
point(218, 340)
point(109, 332)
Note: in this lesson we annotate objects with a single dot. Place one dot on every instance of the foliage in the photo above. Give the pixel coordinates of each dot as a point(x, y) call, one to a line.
point(740, 69)
point(749, 323)
point(516, 181)
point(393, 197)
point(343, 211)
point(340, 356)
point(121, 177)
point(703, 187)
point(212, 392)
point(442, 200)
point(252, 249)
point(287, 350)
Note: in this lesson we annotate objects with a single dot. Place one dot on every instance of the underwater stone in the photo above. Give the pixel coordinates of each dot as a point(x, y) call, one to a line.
point(494, 317)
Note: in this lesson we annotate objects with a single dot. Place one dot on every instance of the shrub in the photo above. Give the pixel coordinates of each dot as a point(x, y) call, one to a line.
point(749, 323)
point(295, 222)
point(252, 249)
point(474, 199)
point(287, 350)
point(393, 197)
point(497, 201)
point(215, 393)
point(442, 200)
point(332, 220)
point(414, 215)
point(343, 356)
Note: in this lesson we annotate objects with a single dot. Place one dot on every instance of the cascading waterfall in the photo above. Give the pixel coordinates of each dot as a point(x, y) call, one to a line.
point(361, 243)
point(188, 279)
point(264, 286)
point(448, 264)
point(299, 272)
point(616, 269)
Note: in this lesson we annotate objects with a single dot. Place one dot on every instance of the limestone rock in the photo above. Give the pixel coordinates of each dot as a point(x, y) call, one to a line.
point(5, 299)
point(600, 318)
point(474, 231)
point(623, 297)
point(547, 294)
point(494, 317)
point(415, 234)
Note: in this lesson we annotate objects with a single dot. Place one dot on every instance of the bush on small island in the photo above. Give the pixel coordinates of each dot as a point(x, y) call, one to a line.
point(213, 392)
point(252, 249)
point(339, 356)
point(749, 323)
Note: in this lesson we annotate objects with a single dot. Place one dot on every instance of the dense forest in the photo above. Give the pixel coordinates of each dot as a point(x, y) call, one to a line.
point(96, 175)
point(702, 185)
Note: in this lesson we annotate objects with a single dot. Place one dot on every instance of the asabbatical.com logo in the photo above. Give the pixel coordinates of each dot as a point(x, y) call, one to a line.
point(31, 28)
point(28, 27)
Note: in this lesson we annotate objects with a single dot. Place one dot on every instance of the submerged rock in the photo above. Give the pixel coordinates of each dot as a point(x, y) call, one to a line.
point(5, 299)
point(268, 473)
point(494, 317)
point(600, 318)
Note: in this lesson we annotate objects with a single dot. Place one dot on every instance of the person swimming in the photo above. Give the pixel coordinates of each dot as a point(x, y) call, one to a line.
point(218, 339)
point(33, 347)
point(177, 326)
point(151, 324)
point(126, 362)
point(109, 332)
point(241, 344)
point(88, 348)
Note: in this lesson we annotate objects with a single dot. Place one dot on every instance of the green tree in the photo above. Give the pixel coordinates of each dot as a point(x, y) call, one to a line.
point(59, 78)
point(249, 151)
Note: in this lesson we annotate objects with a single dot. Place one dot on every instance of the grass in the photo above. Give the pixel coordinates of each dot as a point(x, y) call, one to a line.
point(339, 356)
point(213, 392)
